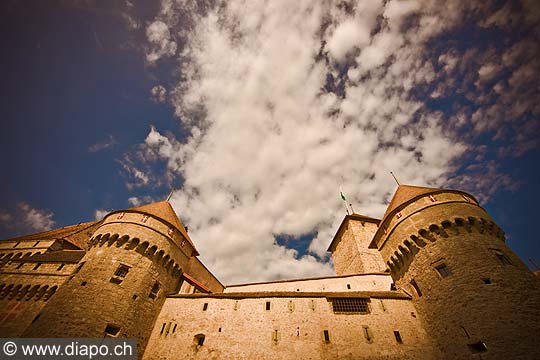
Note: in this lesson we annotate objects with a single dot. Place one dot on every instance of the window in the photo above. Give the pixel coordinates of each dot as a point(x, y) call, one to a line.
point(112, 330)
point(367, 334)
point(16, 244)
point(205, 307)
point(19, 266)
point(486, 280)
point(120, 274)
point(83, 283)
point(162, 328)
point(349, 286)
point(503, 258)
point(121, 271)
point(268, 306)
point(443, 270)
point(60, 267)
point(291, 306)
point(154, 291)
point(36, 244)
point(37, 266)
point(477, 347)
point(326, 336)
point(275, 336)
point(199, 339)
point(350, 305)
point(398, 337)
point(416, 288)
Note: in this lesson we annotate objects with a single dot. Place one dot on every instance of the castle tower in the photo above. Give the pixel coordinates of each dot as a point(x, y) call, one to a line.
point(476, 297)
point(135, 258)
point(350, 250)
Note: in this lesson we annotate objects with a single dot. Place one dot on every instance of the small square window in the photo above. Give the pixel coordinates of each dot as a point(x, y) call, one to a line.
point(397, 335)
point(443, 270)
point(349, 286)
point(367, 334)
point(486, 280)
point(155, 290)
point(477, 347)
point(326, 336)
point(112, 330)
point(268, 305)
point(416, 288)
point(37, 266)
point(205, 307)
point(199, 339)
point(502, 257)
point(121, 271)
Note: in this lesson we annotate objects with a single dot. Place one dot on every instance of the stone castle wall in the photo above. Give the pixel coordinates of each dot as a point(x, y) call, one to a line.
point(241, 327)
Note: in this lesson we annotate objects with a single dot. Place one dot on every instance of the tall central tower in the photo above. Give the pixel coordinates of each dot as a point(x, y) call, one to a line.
point(476, 297)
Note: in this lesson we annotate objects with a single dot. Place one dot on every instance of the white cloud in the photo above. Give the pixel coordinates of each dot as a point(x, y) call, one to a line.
point(347, 36)
point(102, 145)
point(162, 44)
point(269, 150)
point(35, 219)
point(276, 130)
point(158, 94)
point(26, 219)
point(100, 214)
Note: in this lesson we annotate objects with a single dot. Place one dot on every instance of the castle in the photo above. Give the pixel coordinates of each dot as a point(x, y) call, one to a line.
point(432, 279)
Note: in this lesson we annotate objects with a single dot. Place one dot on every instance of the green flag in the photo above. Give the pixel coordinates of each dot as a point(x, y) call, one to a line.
point(342, 196)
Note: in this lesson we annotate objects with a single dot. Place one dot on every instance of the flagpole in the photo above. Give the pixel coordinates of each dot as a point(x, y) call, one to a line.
point(345, 201)
point(391, 173)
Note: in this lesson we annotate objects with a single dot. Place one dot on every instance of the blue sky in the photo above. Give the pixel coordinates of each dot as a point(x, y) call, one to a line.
point(257, 115)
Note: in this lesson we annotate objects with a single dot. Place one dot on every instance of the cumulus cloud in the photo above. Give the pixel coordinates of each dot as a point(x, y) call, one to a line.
point(158, 94)
point(102, 145)
point(26, 219)
point(162, 44)
point(100, 213)
point(287, 102)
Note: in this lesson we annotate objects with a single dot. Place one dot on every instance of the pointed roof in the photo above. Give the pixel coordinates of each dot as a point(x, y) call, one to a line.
point(405, 193)
point(162, 210)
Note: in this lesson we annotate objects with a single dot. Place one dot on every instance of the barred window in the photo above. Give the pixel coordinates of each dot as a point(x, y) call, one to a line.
point(350, 305)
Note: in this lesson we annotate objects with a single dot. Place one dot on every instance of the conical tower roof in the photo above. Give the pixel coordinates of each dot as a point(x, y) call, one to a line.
point(162, 210)
point(405, 193)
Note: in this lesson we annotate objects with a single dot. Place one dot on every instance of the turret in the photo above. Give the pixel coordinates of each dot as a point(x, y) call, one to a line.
point(135, 258)
point(350, 246)
point(475, 295)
